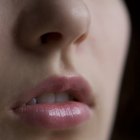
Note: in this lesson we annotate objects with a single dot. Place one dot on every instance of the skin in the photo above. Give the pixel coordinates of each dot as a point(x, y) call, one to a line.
point(90, 40)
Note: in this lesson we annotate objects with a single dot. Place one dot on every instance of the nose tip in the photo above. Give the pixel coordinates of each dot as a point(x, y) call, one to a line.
point(54, 21)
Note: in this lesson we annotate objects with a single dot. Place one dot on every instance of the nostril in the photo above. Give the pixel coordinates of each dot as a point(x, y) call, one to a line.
point(51, 37)
point(81, 38)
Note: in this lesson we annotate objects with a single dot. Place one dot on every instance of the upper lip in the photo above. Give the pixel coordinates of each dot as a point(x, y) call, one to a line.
point(76, 85)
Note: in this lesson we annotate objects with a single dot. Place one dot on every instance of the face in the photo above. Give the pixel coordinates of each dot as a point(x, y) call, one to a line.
point(40, 39)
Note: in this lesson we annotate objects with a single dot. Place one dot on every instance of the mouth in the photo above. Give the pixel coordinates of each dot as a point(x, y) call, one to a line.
point(56, 103)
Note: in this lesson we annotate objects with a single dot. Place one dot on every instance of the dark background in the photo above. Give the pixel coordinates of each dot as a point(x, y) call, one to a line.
point(127, 124)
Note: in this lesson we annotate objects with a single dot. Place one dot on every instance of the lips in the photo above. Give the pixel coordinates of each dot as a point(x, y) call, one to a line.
point(56, 103)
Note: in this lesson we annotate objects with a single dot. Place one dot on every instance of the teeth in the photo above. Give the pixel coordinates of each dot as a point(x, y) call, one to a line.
point(46, 98)
point(51, 98)
point(61, 97)
point(32, 102)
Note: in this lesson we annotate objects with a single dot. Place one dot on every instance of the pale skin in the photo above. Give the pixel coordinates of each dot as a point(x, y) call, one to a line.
point(94, 46)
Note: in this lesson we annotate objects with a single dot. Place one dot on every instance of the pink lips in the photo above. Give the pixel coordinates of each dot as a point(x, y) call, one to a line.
point(56, 116)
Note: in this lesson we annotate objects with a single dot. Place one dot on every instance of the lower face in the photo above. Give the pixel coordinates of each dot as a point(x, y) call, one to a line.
point(99, 59)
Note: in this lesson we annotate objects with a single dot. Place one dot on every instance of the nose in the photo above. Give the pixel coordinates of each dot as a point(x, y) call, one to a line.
point(53, 22)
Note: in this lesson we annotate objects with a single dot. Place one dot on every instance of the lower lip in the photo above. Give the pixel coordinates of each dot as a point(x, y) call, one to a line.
point(55, 116)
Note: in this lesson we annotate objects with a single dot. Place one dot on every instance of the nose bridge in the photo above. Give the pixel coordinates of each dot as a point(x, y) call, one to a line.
point(68, 18)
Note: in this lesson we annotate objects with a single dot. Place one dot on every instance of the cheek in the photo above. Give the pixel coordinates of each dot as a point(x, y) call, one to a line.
point(105, 50)
point(101, 58)
point(110, 31)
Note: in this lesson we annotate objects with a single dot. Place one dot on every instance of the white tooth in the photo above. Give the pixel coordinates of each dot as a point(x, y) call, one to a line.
point(61, 97)
point(46, 98)
point(32, 102)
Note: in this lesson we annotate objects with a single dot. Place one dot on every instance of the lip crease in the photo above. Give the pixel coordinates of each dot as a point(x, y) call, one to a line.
point(57, 116)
